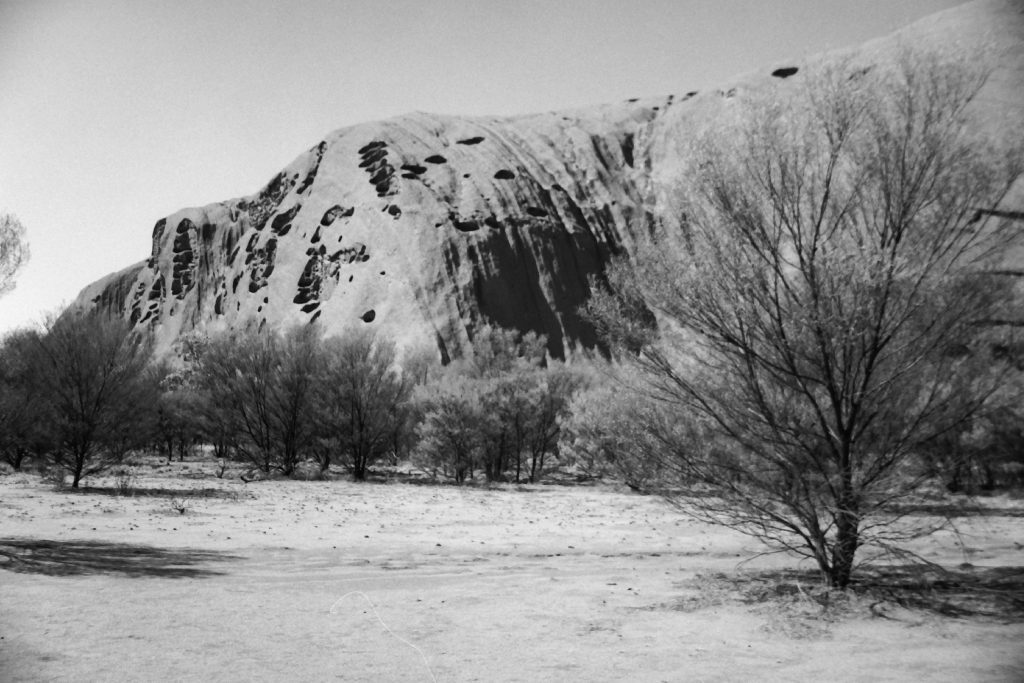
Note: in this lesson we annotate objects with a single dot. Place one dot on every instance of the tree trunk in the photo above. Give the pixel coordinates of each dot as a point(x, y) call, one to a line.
point(358, 464)
point(18, 458)
point(845, 547)
point(77, 473)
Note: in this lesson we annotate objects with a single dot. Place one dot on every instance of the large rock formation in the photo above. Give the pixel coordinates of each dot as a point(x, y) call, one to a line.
point(427, 227)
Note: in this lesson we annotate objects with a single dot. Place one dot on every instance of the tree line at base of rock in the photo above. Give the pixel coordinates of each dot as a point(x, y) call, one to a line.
point(85, 393)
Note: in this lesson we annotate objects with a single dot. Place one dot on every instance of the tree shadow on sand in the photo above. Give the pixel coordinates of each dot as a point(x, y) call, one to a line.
point(161, 492)
point(77, 558)
point(968, 592)
point(956, 509)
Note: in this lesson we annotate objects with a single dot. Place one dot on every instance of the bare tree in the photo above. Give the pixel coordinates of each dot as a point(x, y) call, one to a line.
point(259, 390)
point(361, 399)
point(14, 251)
point(450, 434)
point(177, 419)
point(21, 398)
point(504, 369)
point(97, 388)
point(822, 316)
point(608, 433)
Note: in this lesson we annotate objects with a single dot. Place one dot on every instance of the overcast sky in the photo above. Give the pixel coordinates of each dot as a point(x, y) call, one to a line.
point(115, 114)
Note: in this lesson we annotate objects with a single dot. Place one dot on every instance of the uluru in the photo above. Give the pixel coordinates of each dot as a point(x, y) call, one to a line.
point(428, 227)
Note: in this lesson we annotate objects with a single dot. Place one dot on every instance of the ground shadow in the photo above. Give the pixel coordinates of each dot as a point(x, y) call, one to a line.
point(966, 592)
point(153, 492)
point(76, 558)
point(956, 509)
point(996, 592)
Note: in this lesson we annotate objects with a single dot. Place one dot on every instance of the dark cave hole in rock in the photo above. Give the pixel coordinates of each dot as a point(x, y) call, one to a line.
point(414, 168)
point(309, 308)
point(504, 174)
point(465, 175)
point(466, 226)
point(492, 222)
point(631, 100)
point(394, 211)
point(334, 212)
point(373, 158)
point(281, 222)
point(315, 316)
point(372, 145)
point(382, 272)
point(627, 149)
point(536, 213)
point(266, 300)
point(410, 176)
point(475, 140)
point(692, 93)
point(350, 277)
point(369, 316)
point(381, 176)
point(785, 72)
point(436, 159)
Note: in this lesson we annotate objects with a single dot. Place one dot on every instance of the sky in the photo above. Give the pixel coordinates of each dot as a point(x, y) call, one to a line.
point(114, 114)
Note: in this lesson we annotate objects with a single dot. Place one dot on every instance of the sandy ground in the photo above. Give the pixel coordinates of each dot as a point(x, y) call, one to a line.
point(310, 581)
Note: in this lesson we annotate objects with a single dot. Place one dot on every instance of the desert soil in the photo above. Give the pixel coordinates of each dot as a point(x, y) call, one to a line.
point(195, 578)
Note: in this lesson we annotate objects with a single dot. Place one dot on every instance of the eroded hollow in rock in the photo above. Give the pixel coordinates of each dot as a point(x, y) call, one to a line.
point(466, 226)
point(475, 140)
point(504, 174)
point(374, 144)
point(436, 159)
point(369, 316)
point(785, 72)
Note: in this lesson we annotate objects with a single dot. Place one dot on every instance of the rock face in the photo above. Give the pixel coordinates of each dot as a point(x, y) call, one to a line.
point(427, 227)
